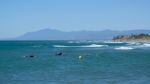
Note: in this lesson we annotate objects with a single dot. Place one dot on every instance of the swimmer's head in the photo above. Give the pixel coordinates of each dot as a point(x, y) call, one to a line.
point(80, 57)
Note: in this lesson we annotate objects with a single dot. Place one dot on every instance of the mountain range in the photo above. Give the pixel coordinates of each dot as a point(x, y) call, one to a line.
point(52, 34)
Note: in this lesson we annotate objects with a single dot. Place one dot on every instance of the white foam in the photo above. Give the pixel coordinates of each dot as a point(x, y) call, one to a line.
point(146, 44)
point(124, 48)
point(74, 42)
point(113, 42)
point(92, 45)
point(134, 43)
point(143, 45)
point(131, 43)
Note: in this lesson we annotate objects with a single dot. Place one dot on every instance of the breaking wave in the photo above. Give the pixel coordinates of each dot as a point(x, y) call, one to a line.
point(92, 45)
point(140, 45)
point(113, 42)
point(146, 45)
point(124, 48)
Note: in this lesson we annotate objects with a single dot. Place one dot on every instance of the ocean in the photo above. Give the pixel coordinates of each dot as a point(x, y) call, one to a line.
point(74, 62)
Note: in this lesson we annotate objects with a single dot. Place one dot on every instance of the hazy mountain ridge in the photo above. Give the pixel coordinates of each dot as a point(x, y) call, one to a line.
point(51, 34)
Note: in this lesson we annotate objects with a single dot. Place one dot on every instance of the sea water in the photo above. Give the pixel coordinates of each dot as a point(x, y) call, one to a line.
point(81, 62)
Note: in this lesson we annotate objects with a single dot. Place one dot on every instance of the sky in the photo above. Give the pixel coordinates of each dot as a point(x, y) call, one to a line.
point(20, 16)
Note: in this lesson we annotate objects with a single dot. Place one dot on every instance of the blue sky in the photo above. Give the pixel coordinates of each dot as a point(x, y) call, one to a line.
point(20, 16)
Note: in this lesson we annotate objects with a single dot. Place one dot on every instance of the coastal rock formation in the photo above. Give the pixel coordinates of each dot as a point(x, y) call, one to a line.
point(132, 37)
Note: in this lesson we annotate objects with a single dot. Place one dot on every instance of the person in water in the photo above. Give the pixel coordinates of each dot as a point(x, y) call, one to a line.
point(59, 54)
point(30, 56)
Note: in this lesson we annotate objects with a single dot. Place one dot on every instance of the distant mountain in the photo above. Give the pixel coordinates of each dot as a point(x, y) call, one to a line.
point(51, 34)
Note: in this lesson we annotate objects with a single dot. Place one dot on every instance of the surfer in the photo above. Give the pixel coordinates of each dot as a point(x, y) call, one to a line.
point(80, 57)
point(59, 54)
point(30, 56)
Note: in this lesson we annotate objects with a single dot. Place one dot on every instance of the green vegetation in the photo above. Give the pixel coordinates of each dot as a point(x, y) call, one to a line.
point(132, 37)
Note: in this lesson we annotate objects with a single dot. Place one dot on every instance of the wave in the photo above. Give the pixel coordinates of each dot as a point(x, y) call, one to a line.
point(74, 42)
point(92, 45)
point(95, 45)
point(113, 42)
point(140, 45)
point(134, 43)
point(146, 45)
point(124, 48)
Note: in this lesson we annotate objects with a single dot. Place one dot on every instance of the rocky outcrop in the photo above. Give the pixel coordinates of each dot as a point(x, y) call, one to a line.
point(132, 37)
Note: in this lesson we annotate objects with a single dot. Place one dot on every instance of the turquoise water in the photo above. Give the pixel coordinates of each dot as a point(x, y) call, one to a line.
point(100, 62)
